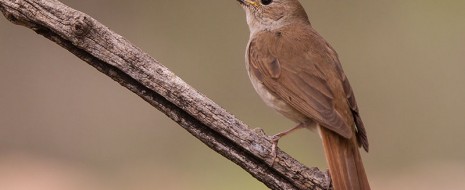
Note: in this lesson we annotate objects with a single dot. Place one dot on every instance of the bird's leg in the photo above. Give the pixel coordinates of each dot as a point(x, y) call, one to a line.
point(275, 139)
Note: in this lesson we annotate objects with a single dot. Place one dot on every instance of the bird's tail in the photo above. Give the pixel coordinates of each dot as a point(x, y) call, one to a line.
point(344, 161)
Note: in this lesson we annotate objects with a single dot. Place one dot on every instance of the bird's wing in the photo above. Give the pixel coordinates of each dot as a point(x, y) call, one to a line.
point(361, 132)
point(300, 80)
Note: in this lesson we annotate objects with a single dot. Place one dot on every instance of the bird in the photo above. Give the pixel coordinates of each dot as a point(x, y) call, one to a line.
point(297, 73)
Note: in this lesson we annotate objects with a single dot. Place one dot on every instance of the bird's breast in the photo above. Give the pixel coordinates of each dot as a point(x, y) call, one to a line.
point(274, 101)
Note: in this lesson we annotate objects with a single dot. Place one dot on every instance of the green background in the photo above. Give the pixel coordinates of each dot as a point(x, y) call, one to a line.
point(63, 125)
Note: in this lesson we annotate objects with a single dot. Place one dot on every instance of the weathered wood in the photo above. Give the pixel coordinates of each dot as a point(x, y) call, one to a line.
point(134, 69)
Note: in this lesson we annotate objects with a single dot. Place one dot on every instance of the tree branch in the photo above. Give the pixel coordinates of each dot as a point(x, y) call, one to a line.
point(134, 69)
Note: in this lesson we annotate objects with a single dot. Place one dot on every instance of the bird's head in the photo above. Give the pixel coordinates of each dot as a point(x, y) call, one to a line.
point(269, 14)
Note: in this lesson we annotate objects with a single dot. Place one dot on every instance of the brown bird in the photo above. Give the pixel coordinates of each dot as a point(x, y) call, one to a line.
point(297, 73)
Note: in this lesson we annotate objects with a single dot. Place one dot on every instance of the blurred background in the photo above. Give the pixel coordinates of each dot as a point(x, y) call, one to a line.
point(65, 126)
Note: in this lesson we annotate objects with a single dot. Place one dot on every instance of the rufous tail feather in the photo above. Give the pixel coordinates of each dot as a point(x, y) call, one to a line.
point(344, 161)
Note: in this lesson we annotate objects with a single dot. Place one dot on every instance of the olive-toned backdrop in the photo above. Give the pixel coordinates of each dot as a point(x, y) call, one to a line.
point(65, 126)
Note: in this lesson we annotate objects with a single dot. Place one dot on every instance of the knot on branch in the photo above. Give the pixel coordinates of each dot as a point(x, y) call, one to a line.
point(80, 26)
point(9, 16)
point(15, 18)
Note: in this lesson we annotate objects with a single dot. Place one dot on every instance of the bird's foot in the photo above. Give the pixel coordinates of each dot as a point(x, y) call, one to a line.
point(274, 146)
point(275, 140)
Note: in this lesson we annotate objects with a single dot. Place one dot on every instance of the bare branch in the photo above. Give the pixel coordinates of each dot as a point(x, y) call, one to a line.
point(134, 69)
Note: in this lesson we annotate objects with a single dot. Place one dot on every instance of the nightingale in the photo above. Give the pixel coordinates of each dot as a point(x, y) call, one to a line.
point(297, 73)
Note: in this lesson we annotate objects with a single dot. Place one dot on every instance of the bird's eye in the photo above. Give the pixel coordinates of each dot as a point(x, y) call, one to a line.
point(266, 2)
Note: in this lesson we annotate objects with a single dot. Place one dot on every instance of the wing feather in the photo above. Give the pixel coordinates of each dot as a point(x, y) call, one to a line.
point(305, 89)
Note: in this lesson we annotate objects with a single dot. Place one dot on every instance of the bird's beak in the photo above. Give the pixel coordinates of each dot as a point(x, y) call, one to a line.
point(248, 3)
